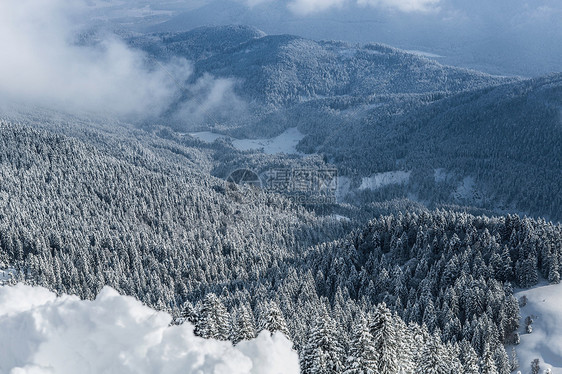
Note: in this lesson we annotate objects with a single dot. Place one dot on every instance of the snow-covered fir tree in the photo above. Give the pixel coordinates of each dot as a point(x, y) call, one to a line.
point(362, 355)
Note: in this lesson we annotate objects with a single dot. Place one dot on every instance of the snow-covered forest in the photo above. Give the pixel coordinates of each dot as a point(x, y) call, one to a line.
point(222, 257)
point(221, 200)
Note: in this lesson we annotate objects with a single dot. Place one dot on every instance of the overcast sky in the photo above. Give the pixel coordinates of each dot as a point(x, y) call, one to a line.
point(42, 62)
point(514, 37)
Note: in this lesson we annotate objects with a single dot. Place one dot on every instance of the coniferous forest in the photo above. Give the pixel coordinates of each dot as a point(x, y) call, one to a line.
point(404, 292)
point(445, 200)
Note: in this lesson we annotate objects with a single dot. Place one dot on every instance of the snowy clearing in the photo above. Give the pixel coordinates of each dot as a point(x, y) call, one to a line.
point(285, 142)
point(339, 217)
point(441, 175)
point(544, 305)
point(42, 333)
point(282, 143)
point(466, 191)
point(422, 53)
point(347, 54)
point(384, 179)
point(343, 188)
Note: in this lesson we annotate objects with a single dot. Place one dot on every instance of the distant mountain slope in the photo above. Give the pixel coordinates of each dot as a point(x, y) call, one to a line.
point(507, 139)
point(497, 148)
point(467, 138)
point(501, 37)
point(198, 43)
point(284, 69)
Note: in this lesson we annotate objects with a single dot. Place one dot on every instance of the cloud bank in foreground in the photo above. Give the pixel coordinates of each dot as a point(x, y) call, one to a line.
point(42, 64)
point(46, 334)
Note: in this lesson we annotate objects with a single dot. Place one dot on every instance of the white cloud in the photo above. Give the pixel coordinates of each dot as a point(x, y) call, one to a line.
point(253, 3)
point(117, 334)
point(402, 5)
point(212, 100)
point(40, 64)
point(304, 7)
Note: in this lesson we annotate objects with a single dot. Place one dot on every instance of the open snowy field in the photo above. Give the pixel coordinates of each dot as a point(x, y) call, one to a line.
point(384, 179)
point(544, 305)
point(285, 142)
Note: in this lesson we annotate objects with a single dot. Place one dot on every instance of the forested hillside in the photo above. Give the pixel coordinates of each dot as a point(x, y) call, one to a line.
point(505, 140)
point(464, 137)
point(234, 261)
point(74, 200)
point(281, 70)
point(430, 175)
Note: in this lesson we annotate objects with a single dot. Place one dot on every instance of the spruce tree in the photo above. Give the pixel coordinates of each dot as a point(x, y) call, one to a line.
point(469, 358)
point(488, 364)
point(535, 366)
point(513, 360)
point(362, 355)
point(435, 359)
point(214, 320)
point(272, 319)
point(502, 360)
point(322, 353)
point(385, 338)
point(244, 326)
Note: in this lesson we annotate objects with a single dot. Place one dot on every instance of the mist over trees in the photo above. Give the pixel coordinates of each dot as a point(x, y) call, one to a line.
point(410, 274)
point(467, 138)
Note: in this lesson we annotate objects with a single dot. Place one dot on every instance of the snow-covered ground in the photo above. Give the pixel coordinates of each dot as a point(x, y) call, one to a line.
point(348, 53)
point(544, 305)
point(441, 175)
point(465, 189)
point(384, 179)
point(422, 53)
point(339, 217)
point(6, 275)
point(42, 333)
point(343, 187)
point(282, 143)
